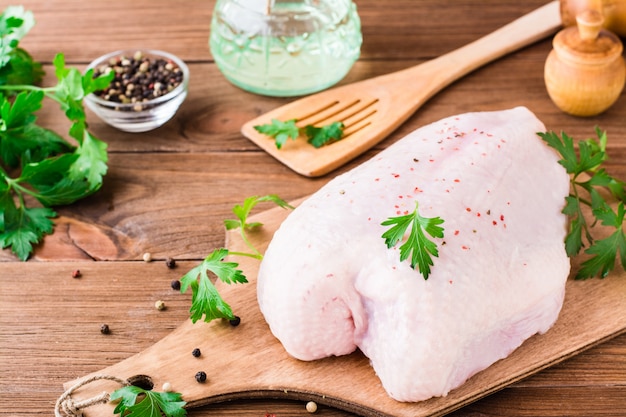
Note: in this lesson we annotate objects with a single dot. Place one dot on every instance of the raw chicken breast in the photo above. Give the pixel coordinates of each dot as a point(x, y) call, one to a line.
point(328, 284)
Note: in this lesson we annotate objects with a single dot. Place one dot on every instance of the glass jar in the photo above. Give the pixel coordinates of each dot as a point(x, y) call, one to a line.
point(285, 47)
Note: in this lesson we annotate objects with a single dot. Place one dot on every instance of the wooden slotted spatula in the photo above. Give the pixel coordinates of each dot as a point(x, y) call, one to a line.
point(373, 108)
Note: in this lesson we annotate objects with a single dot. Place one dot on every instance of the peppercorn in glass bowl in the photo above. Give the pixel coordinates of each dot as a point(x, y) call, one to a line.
point(148, 88)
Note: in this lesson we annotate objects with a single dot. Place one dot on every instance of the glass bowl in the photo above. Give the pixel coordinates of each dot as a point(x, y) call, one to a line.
point(145, 112)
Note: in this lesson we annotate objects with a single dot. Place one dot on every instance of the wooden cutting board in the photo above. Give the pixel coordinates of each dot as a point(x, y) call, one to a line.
point(247, 362)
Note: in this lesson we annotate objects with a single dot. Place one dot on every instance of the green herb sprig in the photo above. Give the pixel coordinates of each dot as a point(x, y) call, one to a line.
point(417, 245)
point(138, 402)
point(282, 131)
point(35, 161)
point(206, 300)
point(586, 175)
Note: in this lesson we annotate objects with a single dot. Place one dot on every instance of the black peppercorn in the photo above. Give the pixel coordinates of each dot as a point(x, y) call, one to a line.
point(175, 285)
point(196, 353)
point(104, 329)
point(201, 376)
point(235, 321)
point(170, 263)
point(76, 273)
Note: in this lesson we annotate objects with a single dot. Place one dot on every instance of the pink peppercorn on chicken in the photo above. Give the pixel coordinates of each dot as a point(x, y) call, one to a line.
point(328, 284)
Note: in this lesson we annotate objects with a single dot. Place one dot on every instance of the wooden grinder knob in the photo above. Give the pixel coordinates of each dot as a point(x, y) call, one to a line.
point(613, 12)
point(589, 25)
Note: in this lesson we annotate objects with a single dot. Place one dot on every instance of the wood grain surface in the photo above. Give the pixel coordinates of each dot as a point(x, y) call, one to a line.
point(251, 363)
point(168, 191)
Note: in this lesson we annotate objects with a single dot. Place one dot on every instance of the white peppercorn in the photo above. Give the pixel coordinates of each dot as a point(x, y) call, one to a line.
point(311, 407)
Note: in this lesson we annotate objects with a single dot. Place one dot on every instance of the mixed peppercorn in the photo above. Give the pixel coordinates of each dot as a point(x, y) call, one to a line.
point(201, 377)
point(170, 263)
point(138, 80)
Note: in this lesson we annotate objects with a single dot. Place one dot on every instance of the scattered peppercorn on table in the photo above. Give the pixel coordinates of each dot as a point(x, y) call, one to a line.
point(101, 288)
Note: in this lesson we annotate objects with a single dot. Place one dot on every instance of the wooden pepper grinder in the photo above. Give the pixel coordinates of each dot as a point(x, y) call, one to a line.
point(585, 71)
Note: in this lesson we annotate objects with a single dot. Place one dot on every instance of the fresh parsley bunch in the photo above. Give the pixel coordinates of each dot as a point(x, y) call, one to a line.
point(36, 163)
point(588, 179)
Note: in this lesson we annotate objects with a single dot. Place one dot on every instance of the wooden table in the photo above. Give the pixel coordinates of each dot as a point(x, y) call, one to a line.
point(167, 192)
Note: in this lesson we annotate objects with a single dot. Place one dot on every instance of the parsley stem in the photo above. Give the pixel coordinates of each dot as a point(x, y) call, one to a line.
point(27, 88)
point(256, 254)
point(580, 213)
point(20, 190)
point(48, 91)
point(582, 200)
point(249, 255)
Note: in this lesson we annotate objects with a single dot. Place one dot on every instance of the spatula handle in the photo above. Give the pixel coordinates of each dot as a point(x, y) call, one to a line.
point(521, 32)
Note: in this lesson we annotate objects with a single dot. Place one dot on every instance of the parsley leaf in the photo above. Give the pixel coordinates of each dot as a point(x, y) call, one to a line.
point(417, 245)
point(21, 69)
point(320, 136)
point(280, 131)
point(243, 211)
point(205, 299)
point(16, 65)
point(21, 140)
point(15, 23)
point(21, 111)
point(586, 163)
point(91, 162)
point(138, 402)
point(316, 136)
point(21, 227)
